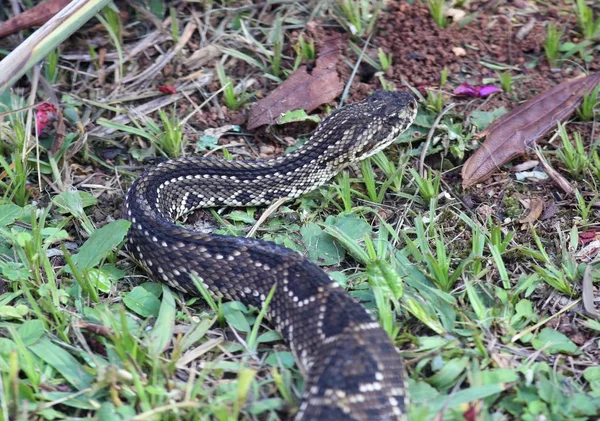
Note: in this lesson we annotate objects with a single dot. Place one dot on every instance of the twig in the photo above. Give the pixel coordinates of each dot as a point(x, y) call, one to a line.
point(430, 137)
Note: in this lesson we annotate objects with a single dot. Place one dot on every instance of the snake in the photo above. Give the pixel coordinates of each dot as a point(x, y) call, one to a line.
point(351, 368)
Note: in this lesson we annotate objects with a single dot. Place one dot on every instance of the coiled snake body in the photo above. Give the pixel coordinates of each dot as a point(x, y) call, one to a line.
point(352, 369)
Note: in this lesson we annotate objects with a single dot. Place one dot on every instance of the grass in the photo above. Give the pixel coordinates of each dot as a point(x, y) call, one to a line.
point(552, 43)
point(505, 81)
point(437, 8)
point(358, 17)
point(573, 154)
point(385, 60)
point(484, 309)
point(589, 104)
point(589, 27)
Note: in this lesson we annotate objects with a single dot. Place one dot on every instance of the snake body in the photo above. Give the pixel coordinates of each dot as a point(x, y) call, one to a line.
point(351, 367)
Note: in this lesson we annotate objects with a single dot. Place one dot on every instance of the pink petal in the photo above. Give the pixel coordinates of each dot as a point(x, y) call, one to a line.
point(42, 115)
point(465, 89)
point(486, 90)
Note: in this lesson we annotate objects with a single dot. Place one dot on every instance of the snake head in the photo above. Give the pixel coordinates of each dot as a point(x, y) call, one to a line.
point(362, 129)
point(387, 115)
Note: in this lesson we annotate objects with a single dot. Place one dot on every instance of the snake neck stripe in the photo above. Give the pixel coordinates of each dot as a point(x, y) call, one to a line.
point(352, 370)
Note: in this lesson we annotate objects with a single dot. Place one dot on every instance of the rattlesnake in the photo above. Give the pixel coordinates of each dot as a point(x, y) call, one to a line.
point(352, 369)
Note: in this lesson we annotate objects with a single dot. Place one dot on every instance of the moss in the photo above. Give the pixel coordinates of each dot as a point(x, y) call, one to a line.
point(512, 207)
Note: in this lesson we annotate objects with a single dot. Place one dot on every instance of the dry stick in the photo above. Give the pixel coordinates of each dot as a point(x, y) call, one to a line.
point(553, 174)
point(46, 39)
point(543, 322)
point(150, 73)
point(353, 74)
point(34, 85)
point(265, 215)
point(430, 137)
point(147, 108)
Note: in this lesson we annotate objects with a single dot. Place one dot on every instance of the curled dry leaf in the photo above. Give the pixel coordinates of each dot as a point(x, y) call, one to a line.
point(517, 131)
point(587, 292)
point(305, 89)
point(36, 16)
point(536, 207)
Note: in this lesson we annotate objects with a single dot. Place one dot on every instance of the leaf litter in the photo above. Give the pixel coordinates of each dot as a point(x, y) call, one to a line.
point(516, 132)
point(307, 88)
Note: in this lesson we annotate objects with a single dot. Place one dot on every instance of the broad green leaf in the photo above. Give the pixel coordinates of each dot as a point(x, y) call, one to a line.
point(100, 243)
point(13, 312)
point(162, 332)
point(100, 280)
point(269, 336)
point(381, 274)
point(320, 245)
point(297, 116)
point(66, 398)
point(141, 301)
point(73, 202)
point(281, 358)
point(9, 213)
point(196, 333)
point(235, 317)
point(31, 331)
point(449, 373)
point(553, 342)
point(482, 119)
point(63, 362)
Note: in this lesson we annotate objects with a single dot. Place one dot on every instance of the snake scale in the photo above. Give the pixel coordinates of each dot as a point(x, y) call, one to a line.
point(352, 370)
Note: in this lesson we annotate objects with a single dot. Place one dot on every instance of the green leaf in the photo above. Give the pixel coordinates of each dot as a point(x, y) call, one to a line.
point(553, 342)
point(66, 398)
point(449, 373)
point(269, 336)
point(234, 313)
point(143, 302)
point(195, 333)
point(320, 245)
point(382, 275)
point(31, 331)
point(207, 142)
point(482, 119)
point(297, 116)
point(282, 358)
point(63, 362)
point(239, 216)
point(100, 243)
point(9, 213)
point(100, 280)
point(162, 332)
point(74, 202)
point(13, 312)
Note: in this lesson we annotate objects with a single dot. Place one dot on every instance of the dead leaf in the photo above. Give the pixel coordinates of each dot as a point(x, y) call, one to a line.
point(587, 292)
point(94, 328)
point(549, 211)
point(553, 174)
point(525, 166)
point(517, 131)
point(202, 57)
point(36, 16)
point(304, 89)
point(61, 132)
point(536, 207)
point(459, 51)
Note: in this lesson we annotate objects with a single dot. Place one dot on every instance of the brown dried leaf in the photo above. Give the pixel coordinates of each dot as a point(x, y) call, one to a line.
point(517, 131)
point(36, 16)
point(536, 207)
point(304, 89)
point(587, 292)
